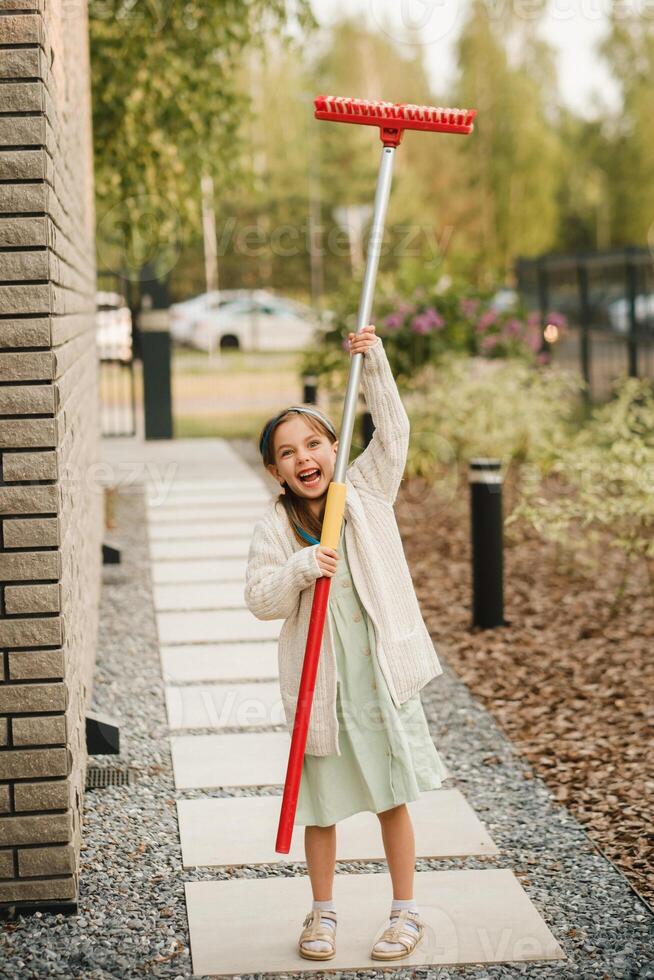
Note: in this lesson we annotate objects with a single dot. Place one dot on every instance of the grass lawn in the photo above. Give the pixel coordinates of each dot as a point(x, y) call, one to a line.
point(232, 394)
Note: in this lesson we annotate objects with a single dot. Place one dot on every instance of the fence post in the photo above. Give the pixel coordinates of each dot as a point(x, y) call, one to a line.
point(485, 480)
point(632, 290)
point(156, 354)
point(584, 321)
point(310, 390)
point(543, 303)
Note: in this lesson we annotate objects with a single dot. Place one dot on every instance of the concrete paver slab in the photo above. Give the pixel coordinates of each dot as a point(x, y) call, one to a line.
point(241, 830)
point(203, 570)
point(201, 529)
point(222, 513)
point(219, 662)
point(212, 481)
point(169, 496)
point(230, 759)
point(224, 705)
point(199, 595)
point(472, 916)
point(203, 548)
point(221, 626)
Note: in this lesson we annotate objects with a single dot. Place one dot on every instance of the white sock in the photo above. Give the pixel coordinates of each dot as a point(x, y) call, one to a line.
point(396, 906)
point(319, 945)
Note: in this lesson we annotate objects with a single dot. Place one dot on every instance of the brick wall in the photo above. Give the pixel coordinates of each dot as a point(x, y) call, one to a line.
point(50, 515)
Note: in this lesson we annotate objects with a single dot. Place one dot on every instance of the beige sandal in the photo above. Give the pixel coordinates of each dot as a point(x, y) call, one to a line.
point(399, 933)
point(313, 929)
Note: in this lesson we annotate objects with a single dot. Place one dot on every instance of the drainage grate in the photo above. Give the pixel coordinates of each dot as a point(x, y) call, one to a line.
point(99, 777)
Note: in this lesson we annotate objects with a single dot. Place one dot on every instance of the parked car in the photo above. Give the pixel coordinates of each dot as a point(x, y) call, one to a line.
point(619, 313)
point(259, 321)
point(184, 315)
point(113, 327)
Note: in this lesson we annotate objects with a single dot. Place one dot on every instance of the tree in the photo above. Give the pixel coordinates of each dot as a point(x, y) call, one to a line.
point(166, 110)
point(513, 165)
point(629, 50)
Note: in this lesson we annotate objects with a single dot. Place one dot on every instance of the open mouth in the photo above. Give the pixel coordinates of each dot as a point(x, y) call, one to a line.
point(311, 478)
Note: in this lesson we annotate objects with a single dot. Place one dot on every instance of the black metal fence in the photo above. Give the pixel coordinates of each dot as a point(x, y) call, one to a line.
point(608, 300)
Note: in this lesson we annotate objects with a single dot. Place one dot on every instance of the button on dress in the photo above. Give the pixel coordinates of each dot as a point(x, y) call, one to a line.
point(387, 753)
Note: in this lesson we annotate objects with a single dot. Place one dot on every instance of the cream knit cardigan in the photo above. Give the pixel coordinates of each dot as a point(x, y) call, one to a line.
point(281, 573)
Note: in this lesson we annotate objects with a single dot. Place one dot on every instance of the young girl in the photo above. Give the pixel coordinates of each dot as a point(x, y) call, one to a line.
point(368, 744)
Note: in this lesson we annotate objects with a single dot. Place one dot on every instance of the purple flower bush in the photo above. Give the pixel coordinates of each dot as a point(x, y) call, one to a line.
point(428, 325)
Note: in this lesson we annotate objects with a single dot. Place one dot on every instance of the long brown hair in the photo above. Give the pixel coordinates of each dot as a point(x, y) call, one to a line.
point(296, 507)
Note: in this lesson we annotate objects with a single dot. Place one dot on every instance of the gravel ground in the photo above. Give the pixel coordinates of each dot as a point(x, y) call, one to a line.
point(132, 915)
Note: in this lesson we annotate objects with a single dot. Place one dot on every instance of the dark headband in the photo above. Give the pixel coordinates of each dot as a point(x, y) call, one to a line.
point(300, 410)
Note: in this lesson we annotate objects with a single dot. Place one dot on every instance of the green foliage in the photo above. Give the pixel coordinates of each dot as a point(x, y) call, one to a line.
point(476, 407)
point(512, 167)
point(166, 110)
point(604, 482)
point(629, 51)
point(432, 324)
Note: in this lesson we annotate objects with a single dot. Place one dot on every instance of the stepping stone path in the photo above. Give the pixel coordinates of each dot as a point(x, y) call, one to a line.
point(222, 696)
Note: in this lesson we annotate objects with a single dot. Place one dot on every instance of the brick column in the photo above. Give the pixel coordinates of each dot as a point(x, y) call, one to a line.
point(50, 514)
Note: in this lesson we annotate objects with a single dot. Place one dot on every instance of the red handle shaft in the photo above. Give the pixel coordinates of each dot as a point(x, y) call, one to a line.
point(302, 714)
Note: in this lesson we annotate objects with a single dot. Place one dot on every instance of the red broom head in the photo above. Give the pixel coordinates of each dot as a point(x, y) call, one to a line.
point(393, 118)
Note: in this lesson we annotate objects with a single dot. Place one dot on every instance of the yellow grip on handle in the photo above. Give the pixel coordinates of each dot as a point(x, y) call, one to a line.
point(333, 519)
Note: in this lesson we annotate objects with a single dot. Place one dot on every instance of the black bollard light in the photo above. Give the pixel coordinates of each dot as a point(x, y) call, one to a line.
point(486, 521)
point(310, 393)
point(157, 383)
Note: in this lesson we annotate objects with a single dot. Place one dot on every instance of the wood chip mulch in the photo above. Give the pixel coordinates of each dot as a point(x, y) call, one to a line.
point(571, 688)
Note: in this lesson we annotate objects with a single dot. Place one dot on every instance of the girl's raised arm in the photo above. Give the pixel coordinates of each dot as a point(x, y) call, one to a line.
point(274, 581)
point(380, 467)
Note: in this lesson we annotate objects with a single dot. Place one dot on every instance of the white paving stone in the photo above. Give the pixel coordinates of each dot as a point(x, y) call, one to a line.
point(199, 595)
point(241, 830)
point(223, 513)
point(222, 626)
point(165, 498)
point(224, 705)
point(248, 483)
point(219, 662)
point(230, 759)
point(201, 529)
point(251, 926)
point(202, 548)
point(203, 570)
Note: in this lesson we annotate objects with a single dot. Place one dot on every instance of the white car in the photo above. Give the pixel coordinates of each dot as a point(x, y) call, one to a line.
point(619, 314)
point(184, 315)
point(113, 327)
point(259, 322)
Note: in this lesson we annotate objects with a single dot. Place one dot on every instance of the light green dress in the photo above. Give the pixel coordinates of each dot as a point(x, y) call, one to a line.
point(387, 754)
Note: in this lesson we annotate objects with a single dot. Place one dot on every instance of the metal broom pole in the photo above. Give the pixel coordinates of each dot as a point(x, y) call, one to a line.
point(392, 120)
point(333, 519)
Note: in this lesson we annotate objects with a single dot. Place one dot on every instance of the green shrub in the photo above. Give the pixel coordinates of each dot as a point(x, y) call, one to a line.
point(604, 484)
point(434, 323)
point(466, 407)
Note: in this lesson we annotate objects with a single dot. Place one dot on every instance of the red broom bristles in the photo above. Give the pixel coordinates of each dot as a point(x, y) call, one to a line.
point(393, 118)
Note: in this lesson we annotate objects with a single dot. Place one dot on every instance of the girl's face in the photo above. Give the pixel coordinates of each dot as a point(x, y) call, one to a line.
point(299, 450)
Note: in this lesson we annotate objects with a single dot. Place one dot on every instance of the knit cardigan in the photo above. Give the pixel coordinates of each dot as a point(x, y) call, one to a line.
point(281, 573)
